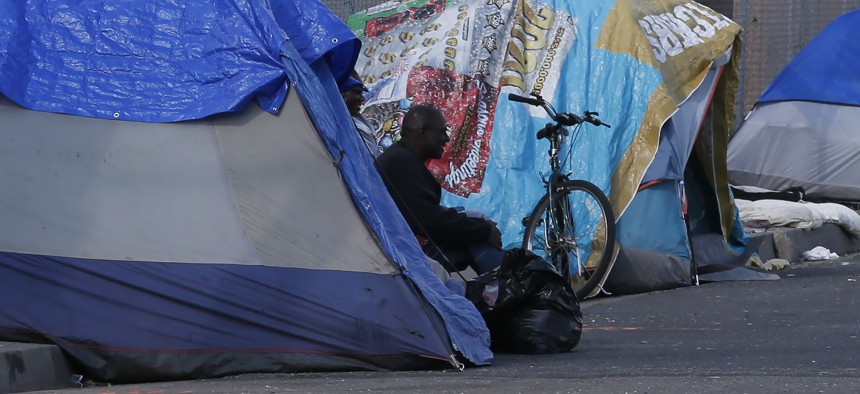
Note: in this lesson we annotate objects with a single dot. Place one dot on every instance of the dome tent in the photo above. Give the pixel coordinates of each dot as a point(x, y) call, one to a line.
point(803, 130)
point(157, 225)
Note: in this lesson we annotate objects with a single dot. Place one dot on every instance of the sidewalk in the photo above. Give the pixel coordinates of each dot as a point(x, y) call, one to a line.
point(28, 367)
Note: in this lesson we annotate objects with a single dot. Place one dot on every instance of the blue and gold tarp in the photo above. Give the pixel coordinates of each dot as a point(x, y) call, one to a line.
point(634, 62)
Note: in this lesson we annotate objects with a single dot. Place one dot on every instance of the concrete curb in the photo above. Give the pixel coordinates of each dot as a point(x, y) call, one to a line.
point(790, 243)
point(31, 367)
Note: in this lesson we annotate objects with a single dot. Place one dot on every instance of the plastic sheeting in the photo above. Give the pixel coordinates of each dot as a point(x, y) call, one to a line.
point(317, 33)
point(632, 61)
point(160, 60)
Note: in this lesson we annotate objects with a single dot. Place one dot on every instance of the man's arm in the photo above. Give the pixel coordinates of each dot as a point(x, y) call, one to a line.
point(418, 202)
point(447, 226)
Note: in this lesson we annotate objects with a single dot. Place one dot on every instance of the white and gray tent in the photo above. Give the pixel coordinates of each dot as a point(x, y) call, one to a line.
point(805, 129)
point(156, 223)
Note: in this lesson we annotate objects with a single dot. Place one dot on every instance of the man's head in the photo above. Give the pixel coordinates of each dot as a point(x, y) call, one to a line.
point(425, 131)
point(353, 93)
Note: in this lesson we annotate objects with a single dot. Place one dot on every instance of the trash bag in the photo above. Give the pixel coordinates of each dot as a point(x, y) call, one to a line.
point(528, 307)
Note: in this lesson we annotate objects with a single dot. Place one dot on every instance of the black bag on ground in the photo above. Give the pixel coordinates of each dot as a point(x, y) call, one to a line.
point(528, 307)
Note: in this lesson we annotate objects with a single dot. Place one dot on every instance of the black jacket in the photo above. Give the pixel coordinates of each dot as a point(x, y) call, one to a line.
point(418, 194)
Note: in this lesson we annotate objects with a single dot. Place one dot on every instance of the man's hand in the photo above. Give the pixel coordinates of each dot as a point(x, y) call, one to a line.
point(495, 238)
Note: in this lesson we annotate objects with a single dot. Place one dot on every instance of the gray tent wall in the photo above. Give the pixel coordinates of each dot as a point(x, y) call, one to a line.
point(803, 131)
point(208, 191)
point(796, 143)
point(193, 210)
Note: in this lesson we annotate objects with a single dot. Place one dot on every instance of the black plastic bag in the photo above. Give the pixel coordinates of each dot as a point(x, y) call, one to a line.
point(528, 307)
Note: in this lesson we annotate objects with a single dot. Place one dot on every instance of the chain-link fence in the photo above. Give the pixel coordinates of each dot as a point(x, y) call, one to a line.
point(774, 31)
point(345, 8)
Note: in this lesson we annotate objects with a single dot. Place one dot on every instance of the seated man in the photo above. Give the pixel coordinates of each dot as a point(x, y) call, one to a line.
point(353, 96)
point(453, 238)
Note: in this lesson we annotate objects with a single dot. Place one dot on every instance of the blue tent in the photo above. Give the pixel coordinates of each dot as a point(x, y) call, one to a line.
point(803, 131)
point(825, 70)
point(157, 225)
point(681, 199)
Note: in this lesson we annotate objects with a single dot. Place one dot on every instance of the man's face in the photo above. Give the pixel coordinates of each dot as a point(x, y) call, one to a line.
point(436, 137)
point(353, 99)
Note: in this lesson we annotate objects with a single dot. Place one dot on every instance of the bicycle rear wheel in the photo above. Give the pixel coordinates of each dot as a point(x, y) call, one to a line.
point(574, 230)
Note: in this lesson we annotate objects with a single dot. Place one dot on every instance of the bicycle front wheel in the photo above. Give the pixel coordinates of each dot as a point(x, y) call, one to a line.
point(574, 229)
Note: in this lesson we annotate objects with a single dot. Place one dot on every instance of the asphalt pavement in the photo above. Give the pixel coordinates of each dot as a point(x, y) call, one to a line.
point(799, 334)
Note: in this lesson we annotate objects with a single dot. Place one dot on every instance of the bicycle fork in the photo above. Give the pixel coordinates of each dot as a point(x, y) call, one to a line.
point(560, 231)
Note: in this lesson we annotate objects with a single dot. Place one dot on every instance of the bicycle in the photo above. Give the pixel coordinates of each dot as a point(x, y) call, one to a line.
point(574, 218)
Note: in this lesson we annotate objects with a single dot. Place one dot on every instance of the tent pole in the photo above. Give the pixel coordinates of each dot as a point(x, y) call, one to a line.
point(685, 214)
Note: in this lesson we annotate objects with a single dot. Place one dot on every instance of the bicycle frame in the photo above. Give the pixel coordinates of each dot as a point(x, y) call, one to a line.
point(563, 216)
point(559, 213)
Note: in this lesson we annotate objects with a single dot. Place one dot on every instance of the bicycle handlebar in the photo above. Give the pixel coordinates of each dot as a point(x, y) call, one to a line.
point(564, 118)
point(537, 102)
point(589, 117)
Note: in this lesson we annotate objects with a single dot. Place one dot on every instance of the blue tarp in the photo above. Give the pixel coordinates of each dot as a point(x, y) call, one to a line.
point(826, 70)
point(177, 59)
point(465, 326)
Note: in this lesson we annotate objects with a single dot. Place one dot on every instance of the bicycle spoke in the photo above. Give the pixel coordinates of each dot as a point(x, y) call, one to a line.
point(572, 231)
